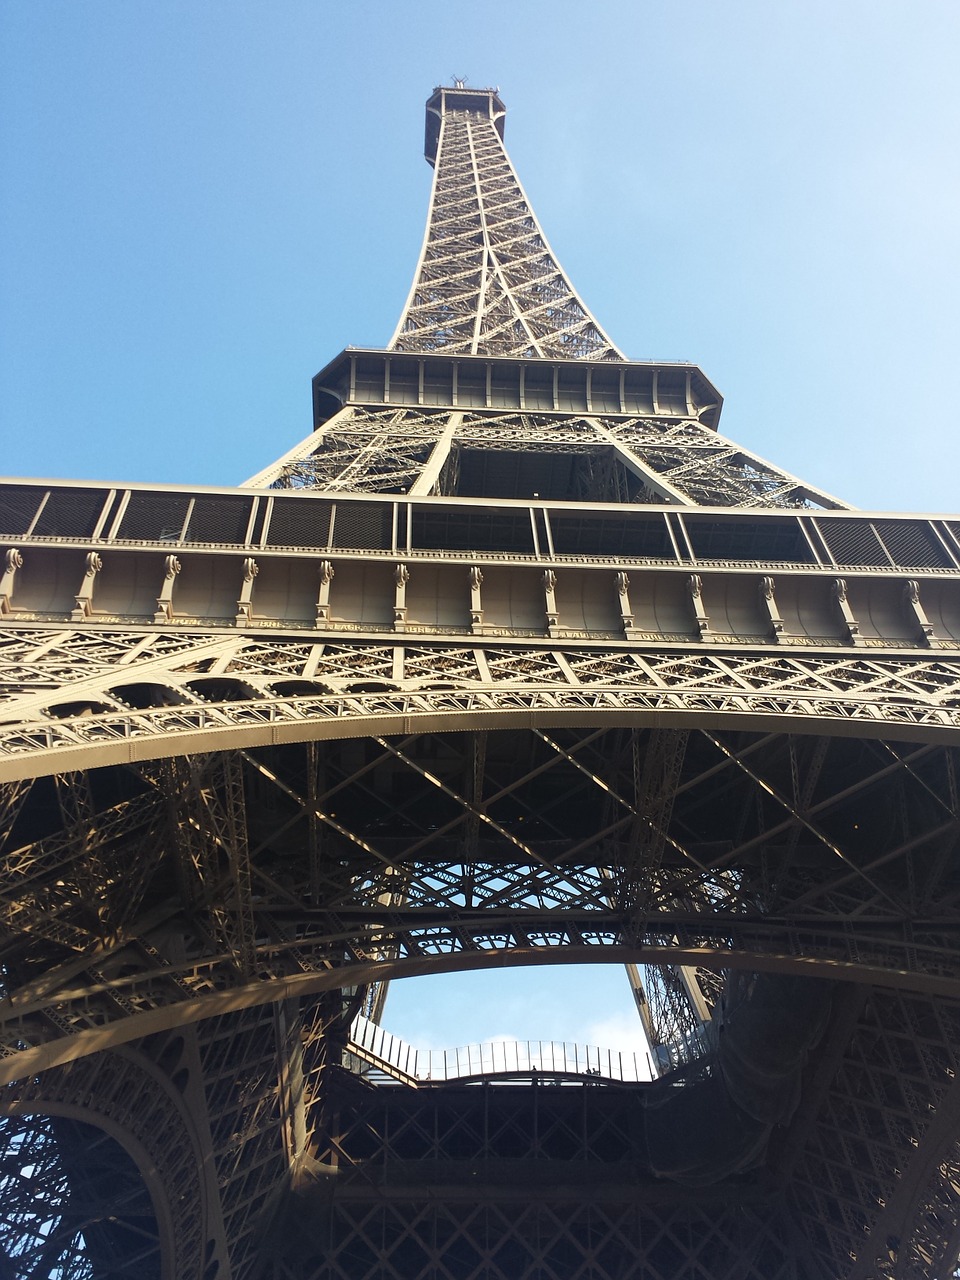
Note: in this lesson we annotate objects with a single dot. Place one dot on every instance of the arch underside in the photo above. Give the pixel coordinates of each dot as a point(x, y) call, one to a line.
point(100, 1172)
point(72, 1203)
point(444, 1177)
point(249, 886)
point(404, 853)
point(86, 698)
point(235, 800)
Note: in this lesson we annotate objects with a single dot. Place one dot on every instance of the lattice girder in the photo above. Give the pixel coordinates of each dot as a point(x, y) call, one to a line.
point(514, 660)
point(368, 448)
point(568, 1239)
point(487, 279)
point(547, 859)
point(143, 1205)
point(875, 1184)
point(203, 694)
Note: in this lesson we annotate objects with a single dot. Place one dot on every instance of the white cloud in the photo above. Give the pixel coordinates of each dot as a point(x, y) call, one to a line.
point(619, 1032)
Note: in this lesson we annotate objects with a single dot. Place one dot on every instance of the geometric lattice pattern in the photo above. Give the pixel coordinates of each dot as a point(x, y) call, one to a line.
point(199, 690)
point(487, 280)
point(567, 1238)
point(820, 855)
point(893, 1102)
point(617, 459)
point(51, 1226)
point(512, 661)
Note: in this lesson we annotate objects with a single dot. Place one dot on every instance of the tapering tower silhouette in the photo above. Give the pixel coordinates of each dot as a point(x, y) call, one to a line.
point(514, 660)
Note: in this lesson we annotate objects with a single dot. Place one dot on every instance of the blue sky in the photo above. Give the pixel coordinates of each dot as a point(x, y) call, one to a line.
point(203, 201)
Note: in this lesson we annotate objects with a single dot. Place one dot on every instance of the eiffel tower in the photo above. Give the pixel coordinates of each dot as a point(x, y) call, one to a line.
point(513, 660)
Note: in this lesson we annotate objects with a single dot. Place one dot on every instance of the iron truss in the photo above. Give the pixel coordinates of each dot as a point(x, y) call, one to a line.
point(115, 697)
point(594, 683)
point(828, 855)
point(398, 450)
point(268, 880)
point(487, 279)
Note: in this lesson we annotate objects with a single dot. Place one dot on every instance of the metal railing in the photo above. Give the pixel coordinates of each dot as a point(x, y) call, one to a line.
point(494, 1058)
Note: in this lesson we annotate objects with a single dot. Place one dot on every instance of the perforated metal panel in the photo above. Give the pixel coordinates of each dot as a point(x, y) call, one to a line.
point(18, 506)
point(70, 513)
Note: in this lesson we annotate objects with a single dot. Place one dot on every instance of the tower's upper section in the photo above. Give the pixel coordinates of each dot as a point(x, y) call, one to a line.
point(487, 282)
point(499, 383)
point(479, 101)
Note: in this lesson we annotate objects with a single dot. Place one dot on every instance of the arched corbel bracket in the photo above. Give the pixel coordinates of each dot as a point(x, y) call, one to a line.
point(12, 561)
point(626, 613)
point(549, 581)
point(245, 602)
point(838, 590)
point(401, 576)
point(171, 567)
point(695, 587)
point(327, 574)
point(768, 602)
point(916, 613)
point(84, 597)
point(476, 603)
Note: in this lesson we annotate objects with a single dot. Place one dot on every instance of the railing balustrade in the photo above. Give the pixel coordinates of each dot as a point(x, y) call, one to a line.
point(509, 1058)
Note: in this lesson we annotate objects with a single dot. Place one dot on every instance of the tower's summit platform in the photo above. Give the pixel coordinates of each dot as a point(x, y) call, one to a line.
point(486, 102)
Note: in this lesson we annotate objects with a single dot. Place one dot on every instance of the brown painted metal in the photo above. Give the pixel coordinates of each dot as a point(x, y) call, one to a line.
point(513, 660)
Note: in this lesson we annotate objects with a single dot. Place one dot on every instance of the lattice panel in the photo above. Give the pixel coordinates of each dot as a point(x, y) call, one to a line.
point(364, 451)
point(86, 1187)
point(521, 430)
point(710, 470)
point(487, 281)
point(487, 1239)
point(88, 678)
point(72, 1204)
point(239, 1058)
point(934, 1242)
point(870, 1134)
point(379, 450)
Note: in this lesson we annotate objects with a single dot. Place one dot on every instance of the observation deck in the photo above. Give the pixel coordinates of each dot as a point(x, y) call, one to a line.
point(391, 1059)
point(485, 102)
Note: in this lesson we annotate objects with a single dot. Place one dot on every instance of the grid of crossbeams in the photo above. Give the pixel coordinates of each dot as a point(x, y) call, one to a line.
point(220, 842)
point(487, 279)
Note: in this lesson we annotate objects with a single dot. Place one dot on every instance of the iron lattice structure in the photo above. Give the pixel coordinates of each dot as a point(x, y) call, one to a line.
point(514, 659)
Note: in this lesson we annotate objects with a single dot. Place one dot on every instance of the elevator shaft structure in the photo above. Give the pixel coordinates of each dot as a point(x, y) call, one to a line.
point(513, 660)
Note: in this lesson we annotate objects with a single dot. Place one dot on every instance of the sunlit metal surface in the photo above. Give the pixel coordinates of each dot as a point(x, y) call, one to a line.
point(513, 660)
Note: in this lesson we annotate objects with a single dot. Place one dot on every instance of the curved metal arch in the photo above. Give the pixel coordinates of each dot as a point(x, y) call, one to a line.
point(131, 1147)
point(82, 1098)
point(214, 1003)
point(44, 747)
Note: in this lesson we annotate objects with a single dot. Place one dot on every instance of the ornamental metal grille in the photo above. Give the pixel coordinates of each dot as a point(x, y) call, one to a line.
point(512, 660)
